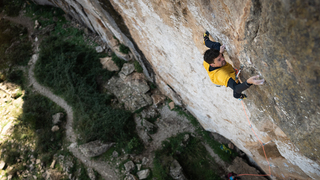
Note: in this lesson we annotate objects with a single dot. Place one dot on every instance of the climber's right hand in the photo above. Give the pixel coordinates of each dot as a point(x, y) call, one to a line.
point(255, 80)
point(222, 48)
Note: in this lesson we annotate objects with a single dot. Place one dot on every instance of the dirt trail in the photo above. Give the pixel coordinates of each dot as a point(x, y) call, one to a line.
point(103, 168)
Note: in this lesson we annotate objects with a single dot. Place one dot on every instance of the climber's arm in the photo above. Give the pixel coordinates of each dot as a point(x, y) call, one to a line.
point(238, 88)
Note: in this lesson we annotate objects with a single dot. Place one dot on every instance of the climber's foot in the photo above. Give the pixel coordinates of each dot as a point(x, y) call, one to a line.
point(205, 37)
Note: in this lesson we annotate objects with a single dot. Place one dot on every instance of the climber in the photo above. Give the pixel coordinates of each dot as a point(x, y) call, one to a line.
point(221, 72)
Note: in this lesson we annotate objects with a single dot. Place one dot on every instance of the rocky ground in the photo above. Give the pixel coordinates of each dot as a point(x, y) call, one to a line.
point(133, 92)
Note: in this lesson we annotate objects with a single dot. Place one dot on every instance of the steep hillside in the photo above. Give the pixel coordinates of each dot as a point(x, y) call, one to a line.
point(277, 39)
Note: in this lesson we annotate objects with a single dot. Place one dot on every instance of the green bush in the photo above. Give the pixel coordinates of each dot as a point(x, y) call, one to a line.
point(124, 49)
point(71, 71)
point(118, 61)
point(137, 67)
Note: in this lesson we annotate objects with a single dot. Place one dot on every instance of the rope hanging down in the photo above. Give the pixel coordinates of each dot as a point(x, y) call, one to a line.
point(261, 145)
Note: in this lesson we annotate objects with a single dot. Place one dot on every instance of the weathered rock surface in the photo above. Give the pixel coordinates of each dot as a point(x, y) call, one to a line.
point(278, 39)
point(129, 166)
point(143, 174)
point(131, 91)
point(94, 148)
point(108, 64)
point(176, 171)
point(56, 118)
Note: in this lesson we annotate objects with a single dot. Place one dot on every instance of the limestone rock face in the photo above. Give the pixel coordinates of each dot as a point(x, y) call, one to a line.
point(277, 39)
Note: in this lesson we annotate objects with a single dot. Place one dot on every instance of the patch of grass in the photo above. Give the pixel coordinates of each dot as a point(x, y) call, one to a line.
point(124, 49)
point(118, 61)
point(45, 14)
point(137, 67)
point(134, 146)
point(71, 68)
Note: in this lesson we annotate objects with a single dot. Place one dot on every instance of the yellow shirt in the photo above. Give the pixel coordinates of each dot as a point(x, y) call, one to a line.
point(221, 75)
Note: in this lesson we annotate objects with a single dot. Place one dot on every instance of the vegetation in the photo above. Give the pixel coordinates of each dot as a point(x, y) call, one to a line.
point(191, 155)
point(137, 67)
point(15, 48)
point(118, 61)
point(124, 49)
point(11, 7)
point(225, 156)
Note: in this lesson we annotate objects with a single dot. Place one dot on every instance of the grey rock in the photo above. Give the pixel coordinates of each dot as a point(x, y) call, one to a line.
point(149, 112)
point(145, 161)
point(176, 171)
point(99, 49)
point(144, 136)
point(148, 125)
point(139, 166)
point(91, 174)
point(94, 148)
point(127, 69)
point(115, 154)
point(143, 174)
point(56, 118)
point(130, 91)
point(55, 128)
point(53, 164)
point(129, 166)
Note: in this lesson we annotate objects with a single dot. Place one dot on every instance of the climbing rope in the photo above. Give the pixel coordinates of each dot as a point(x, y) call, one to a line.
point(262, 144)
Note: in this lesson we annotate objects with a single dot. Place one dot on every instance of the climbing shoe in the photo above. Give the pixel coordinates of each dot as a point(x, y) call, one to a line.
point(205, 37)
point(243, 96)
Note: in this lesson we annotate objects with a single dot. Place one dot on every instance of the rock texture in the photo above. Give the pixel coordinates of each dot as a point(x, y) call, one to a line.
point(278, 39)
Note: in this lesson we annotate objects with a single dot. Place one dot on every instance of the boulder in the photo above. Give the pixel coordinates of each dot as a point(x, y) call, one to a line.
point(127, 69)
point(91, 173)
point(56, 118)
point(94, 148)
point(99, 49)
point(108, 63)
point(143, 174)
point(131, 92)
point(176, 171)
point(129, 166)
point(145, 160)
point(55, 128)
point(149, 112)
point(171, 105)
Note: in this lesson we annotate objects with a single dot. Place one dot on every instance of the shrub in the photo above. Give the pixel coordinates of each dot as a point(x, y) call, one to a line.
point(124, 49)
point(137, 67)
point(118, 61)
point(71, 71)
